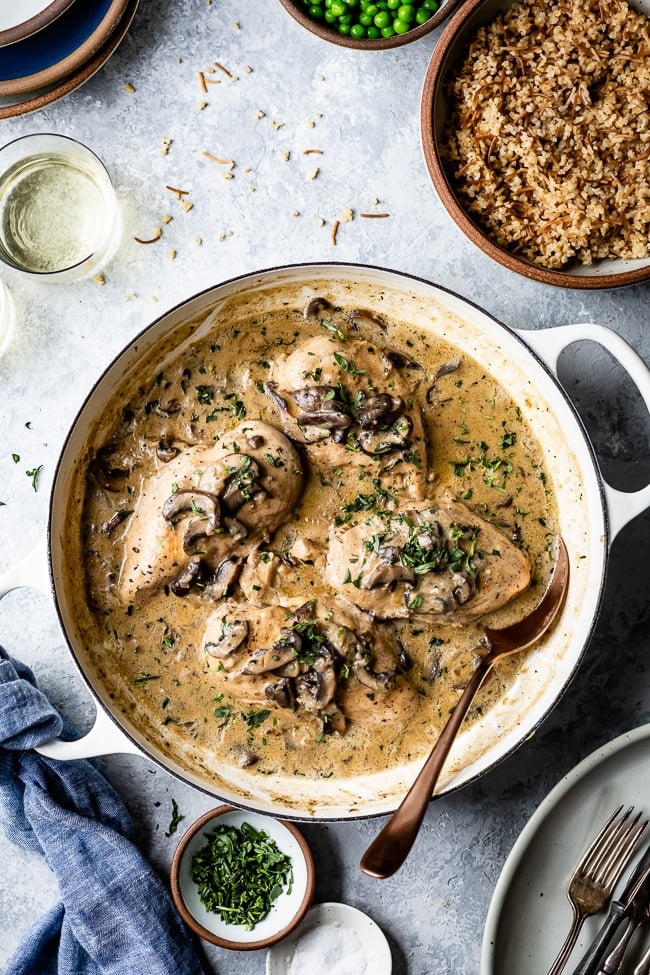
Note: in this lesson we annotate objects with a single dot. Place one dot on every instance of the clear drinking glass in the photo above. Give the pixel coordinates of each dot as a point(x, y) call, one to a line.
point(58, 210)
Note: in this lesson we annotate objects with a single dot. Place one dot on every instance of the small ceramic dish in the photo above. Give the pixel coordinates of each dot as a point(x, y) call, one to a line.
point(449, 52)
point(328, 931)
point(288, 909)
point(20, 20)
point(58, 50)
point(13, 106)
point(326, 33)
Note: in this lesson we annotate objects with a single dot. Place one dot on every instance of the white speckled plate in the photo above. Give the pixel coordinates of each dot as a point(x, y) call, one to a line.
point(355, 923)
point(530, 913)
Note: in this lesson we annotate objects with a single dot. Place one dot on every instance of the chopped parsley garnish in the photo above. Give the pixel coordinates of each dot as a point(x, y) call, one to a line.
point(255, 718)
point(175, 820)
point(205, 394)
point(347, 366)
point(145, 678)
point(34, 475)
point(240, 872)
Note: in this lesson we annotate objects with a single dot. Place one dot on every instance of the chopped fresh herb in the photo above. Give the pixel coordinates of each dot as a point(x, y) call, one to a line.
point(34, 475)
point(175, 820)
point(255, 718)
point(273, 461)
point(144, 678)
point(224, 711)
point(240, 872)
point(205, 394)
point(347, 366)
point(332, 328)
point(15, 458)
point(508, 440)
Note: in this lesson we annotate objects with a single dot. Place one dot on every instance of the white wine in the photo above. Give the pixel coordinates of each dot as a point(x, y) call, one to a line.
point(55, 212)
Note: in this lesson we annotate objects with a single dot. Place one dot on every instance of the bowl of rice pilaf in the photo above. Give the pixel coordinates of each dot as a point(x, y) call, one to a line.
point(535, 124)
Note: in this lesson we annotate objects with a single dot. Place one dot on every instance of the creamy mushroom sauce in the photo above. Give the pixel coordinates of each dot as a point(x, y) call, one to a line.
point(148, 649)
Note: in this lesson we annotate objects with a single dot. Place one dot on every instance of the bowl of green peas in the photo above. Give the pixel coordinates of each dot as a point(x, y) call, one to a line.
point(370, 24)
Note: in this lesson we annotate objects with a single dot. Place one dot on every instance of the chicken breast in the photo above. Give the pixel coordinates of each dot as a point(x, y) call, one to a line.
point(437, 559)
point(324, 659)
point(349, 404)
point(207, 505)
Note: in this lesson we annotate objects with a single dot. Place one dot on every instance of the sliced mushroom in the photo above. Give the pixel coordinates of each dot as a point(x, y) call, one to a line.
point(226, 575)
point(166, 451)
point(200, 503)
point(464, 587)
point(380, 410)
point(360, 317)
point(255, 442)
point(114, 521)
point(242, 484)
point(232, 636)
point(184, 581)
point(401, 360)
point(316, 305)
point(382, 681)
point(388, 570)
point(109, 476)
point(319, 408)
point(272, 390)
point(281, 692)
point(376, 442)
point(269, 659)
point(327, 686)
point(307, 690)
point(247, 758)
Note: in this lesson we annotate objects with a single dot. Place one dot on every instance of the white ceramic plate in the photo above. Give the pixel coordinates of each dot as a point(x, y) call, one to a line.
point(355, 927)
point(530, 913)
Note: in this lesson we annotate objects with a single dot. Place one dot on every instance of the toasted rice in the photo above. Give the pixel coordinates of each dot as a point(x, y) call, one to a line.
point(548, 141)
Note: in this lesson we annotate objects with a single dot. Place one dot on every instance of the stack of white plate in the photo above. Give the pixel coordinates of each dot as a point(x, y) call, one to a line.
point(50, 47)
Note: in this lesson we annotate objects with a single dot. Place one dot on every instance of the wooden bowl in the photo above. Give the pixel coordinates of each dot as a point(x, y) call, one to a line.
point(434, 112)
point(368, 44)
point(287, 911)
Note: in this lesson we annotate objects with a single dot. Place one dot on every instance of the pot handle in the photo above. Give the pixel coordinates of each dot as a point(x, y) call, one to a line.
point(104, 738)
point(622, 506)
point(30, 572)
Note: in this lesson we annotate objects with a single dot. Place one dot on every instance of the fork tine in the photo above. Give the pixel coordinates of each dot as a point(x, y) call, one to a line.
point(615, 847)
point(614, 835)
point(624, 849)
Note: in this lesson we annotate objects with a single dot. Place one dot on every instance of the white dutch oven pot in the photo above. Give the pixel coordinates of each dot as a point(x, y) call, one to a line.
point(591, 515)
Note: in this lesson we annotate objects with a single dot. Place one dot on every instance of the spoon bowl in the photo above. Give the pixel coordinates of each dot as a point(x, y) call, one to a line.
point(389, 849)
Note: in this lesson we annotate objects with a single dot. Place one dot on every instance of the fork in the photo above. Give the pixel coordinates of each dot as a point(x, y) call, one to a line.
point(597, 874)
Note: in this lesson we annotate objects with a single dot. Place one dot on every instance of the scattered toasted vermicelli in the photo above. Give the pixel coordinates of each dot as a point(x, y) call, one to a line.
point(548, 141)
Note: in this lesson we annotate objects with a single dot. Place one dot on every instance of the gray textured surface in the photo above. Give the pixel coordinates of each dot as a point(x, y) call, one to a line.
point(365, 114)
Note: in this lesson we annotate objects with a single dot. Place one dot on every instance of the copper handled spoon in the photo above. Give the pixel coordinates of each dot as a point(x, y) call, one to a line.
point(389, 849)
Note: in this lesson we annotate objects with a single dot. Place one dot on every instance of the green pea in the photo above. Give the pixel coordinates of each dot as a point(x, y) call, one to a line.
point(431, 5)
point(330, 18)
point(346, 19)
point(338, 7)
point(400, 26)
point(393, 4)
point(316, 11)
point(382, 19)
point(387, 32)
point(422, 15)
point(343, 29)
point(365, 18)
point(372, 9)
point(373, 33)
point(357, 30)
point(406, 12)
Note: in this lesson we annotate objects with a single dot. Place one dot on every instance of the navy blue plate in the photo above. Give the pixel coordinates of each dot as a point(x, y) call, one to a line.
point(54, 43)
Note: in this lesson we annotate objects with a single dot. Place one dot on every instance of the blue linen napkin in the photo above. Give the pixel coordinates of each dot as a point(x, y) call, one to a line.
point(116, 916)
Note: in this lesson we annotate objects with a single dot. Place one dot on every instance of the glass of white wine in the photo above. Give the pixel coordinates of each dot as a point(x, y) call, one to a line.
point(58, 209)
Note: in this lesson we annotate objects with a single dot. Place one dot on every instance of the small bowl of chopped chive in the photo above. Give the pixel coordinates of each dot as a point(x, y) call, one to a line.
point(242, 880)
point(370, 24)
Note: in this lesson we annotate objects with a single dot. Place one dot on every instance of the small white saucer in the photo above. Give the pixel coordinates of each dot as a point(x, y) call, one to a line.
point(370, 936)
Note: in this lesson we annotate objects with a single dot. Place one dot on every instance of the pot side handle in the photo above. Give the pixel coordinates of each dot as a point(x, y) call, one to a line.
point(549, 343)
point(29, 573)
point(104, 738)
